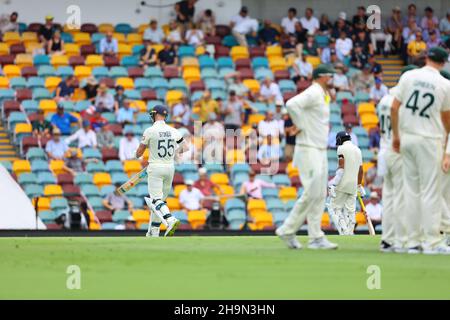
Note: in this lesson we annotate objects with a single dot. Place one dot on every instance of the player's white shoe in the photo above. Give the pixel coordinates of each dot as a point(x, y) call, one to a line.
point(415, 250)
point(439, 249)
point(290, 240)
point(153, 233)
point(386, 247)
point(321, 244)
point(174, 223)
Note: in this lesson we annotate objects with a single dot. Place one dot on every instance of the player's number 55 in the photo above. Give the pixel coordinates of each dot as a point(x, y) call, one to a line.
point(166, 148)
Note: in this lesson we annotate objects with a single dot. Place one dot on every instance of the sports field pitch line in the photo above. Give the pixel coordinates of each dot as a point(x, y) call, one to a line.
point(214, 268)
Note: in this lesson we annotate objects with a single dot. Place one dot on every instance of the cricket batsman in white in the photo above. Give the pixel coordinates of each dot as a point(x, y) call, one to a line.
point(346, 183)
point(393, 223)
point(163, 142)
point(310, 113)
point(420, 115)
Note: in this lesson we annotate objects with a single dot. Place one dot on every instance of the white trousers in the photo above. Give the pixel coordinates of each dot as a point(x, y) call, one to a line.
point(445, 224)
point(393, 222)
point(422, 189)
point(313, 166)
point(344, 206)
point(160, 178)
point(381, 36)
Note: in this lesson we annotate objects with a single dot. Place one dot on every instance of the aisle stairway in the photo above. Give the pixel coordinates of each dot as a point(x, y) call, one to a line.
point(392, 66)
point(7, 151)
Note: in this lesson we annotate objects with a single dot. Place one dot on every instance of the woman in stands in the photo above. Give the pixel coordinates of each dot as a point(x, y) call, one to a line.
point(56, 44)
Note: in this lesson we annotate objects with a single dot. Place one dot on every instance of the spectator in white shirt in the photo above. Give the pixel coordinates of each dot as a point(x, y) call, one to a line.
point(195, 36)
point(374, 209)
point(182, 110)
point(104, 101)
point(153, 34)
point(269, 126)
point(302, 68)
point(174, 36)
point(309, 22)
point(191, 198)
point(269, 151)
point(86, 136)
point(288, 23)
point(378, 91)
point(128, 146)
point(270, 91)
point(444, 25)
point(242, 25)
point(213, 133)
point(108, 45)
point(340, 81)
point(344, 46)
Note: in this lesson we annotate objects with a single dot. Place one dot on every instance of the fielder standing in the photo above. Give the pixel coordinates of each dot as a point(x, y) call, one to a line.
point(310, 113)
point(420, 113)
point(163, 142)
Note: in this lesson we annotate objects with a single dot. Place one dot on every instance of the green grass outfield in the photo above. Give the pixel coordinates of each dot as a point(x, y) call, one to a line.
point(257, 267)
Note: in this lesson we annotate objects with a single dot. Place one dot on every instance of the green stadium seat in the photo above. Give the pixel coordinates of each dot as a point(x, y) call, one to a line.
point(59, 204)
point(35, 82)
point(281, 180)
point(34, 190)
point(94, 167)
point(118, 177)
point(27, 178)
point(64, 71)
point(48, 216)
point(118, 72)
point(41, 93)
point(90, 190)
point(142, 83)
point(270, 193)
point(120, 216)
point(18, 83)
point(153, 72)
point(113, 166)
point(41, 60)
point(46, 71)
point(100, 72)
point(91, 153)
point(36, 153)
point(39, 166)
point(83, 178)
point(44, 178)
point(110, 226)
point(105, 190)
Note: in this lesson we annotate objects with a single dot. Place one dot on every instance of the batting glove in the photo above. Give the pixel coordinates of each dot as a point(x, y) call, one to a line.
point(362, 191)
point(332, 190)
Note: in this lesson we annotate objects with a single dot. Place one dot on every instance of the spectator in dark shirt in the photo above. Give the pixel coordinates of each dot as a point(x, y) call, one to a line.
point(55, 44)
point(119, 98)
point(168, 55)
point(374, 139)
point(268, 35)
point(311, 47)
point(90, 88)
point(41, 127)
point(359, 58)
point(376, 67)
point(360, 17)
point(290, 131)
point(339, 26)
point(65, 89)
point(97, 121)
point(362, 39)
point(46, 31)
point(185, 12)
point(325, 26)
point(290, 46)
point(148, 57)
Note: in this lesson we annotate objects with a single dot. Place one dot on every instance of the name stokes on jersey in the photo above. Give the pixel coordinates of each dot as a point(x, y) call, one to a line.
point(166, 145)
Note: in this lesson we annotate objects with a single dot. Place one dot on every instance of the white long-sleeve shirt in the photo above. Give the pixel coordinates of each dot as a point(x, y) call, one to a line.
point(85, 138)
point(127, 148)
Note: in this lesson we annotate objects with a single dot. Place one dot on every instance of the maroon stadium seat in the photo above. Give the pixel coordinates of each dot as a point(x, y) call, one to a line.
point(29, 72)
point(197, 86)
point(256, 167)
point(34, 27)
point(53, 226)
point(7, 59)
point(10, 106)
point(281, 75)
point(111, 61)
point(257, 52)
point(222, 51)
point(289, 95)
point(115, 128)
point(243, 64)
point(29, 142)
point(247, 74)
point(33, 116)
point(222, 30)
point(148, 95)
point(178, 179)
point(65, 178)
point(135, 72)
point(110, 82)
point(295, 181)
point(348, 109)
point(302, 85)
point(110, 154)
point(72, 192)
point(87, 49)
point(17, 48)
point(104, 216)
point(170, 72)
point(89, 28)
point(76, 61)
point(215, 40)
point(350, 119)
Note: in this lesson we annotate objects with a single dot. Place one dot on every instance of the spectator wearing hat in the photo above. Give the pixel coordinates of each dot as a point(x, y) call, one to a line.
point(381, 34)
point(213, 133)
point(182, 110)
point(204, 184)
point(46, 30)
point(41, 127)
point(128, 146)
point(72, 163)
point(8, 22)
point(85, 136)
point(268, 35)
point(63, 120)
point(269, 91)
point(153, 34)
point(104, 102)
point(105, 137)
point(148, 57)
point(428, 17)
point(416, 49)
point(191, 198)
point(109, 46)
point(90, 88)
point(359, 58)
point(119, 98)
point(206, 105)
point(56, 147)
point(242, 26)
point(444, 24)
point(344, 46)
point(374, 209)
point(378, 91)
point(309, 22)
point(167, 56)
point(253, 187)
point(363, 80)
point(302, 68)
point(115, 201)
point(97, 121)
point(65, 89)
point(288, 22)
point(125, 115)
point(233, 112)
point(395, 25)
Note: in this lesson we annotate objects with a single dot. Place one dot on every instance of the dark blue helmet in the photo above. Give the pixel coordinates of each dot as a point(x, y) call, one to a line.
point(341, 137)
point(159, 109)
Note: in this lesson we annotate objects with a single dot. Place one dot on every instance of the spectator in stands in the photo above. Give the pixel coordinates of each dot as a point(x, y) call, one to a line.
point(191, 198)
point(290, 132)
point(444, 25)
point(371, 178)
point(431, 28)
point(253, 187)
point(233, 112)
point(153, 34)
point(207, 22)
point(416, 48)
point(378, 91)
point(360, 17)
point(90, 88)
point(288, 22)
point(394, 26)
point(72, 163)
point(108, 45)
point(300, 34)
point(55, 147)
point(374, 139)
point(359, 59)
point(125, 115)
point(104, 102)
point(412, 13)
point(115, 201)
point(344, 46)
point(178, 124)
point(41, 127)
point(433, 40)
point(340, 25)
point(46, 30)
point(268, 35)
point(174, 35)
point(362, 39)
point(363, 81)
point(206, 106)
point(242, 25)
point(63, 120)
point(105, 137)
point(269, 151)
point(8, 23)
point(195, 36)
point(85, 136)
point(381, 34)
point(429, 16)
point(234, 83)
point(349, 130)
point(409, 31)
point(97, 121)
point(182, 110)
point(128, 146)
point(56, 44)
point(119, 98)
point(328, 52)
point(302, 68)
point(374, 209)
point(192, 155)
point(213, 133)
point(325, 25)
point(185, 12)
point(168, 56)
point(269, 91)
point(340, 80)
point(309, 22)
point(376, 68)
point(290, 46)
point(269, 126)
point(311, 47)
point(65, 89)
point(148, 57)
point(204, 184)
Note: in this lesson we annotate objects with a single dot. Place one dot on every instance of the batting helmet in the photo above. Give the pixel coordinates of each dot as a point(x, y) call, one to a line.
point(159, 109)
point(341, 137)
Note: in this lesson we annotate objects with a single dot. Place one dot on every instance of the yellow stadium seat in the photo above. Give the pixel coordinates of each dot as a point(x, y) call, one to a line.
point(256, 204)
point(325, 222)
point(82, 72)
point(124, 50)
point(255, 118)
point(57, 166)
point(200, 50)
point(157, 47)
point(43, 204)
point(4, 82)
point(174, 96)
point(369, 121)
point(140, 105)
point(197, 218)
point(11, 71)
point(71, 49)
point(52, 82)
point(366, 108)
point(105, 27)
point(82, 38)
point(190, 62)
point(127, 83)
point(31, 47)
point(72, 29)
point(48, 105)
point(291, 170)
point(29, 37)
point(94, 226)
point(132, 166)
point(178, 188)
point(59, 60)
point(141, 215)
point(142, 27)
point(287, 193)
point(360, 219)
point(53, 190)
point(277, 63)
point(367, 165)
point(166, 29)
point(22, 128)
point(94, 60)
point(101, 179)
point(220, 178)
point(239, 52)
point(315, 61)
point(290, 60)
point(235, 156)
point(11, 37)
point(21, 166)
point(120, 37)
point(4, 48)
point(262, 220)
point(134, 38)
point(24, 60)
point(190, 75)
point(274, 51)
point(252, 84)
point(173, 203)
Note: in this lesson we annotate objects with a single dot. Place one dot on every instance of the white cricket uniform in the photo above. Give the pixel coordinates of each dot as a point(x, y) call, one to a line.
point(390, 168)
point(162, 141)
point(423, 94)
point(310, 113)
point(344, 202)
point(445, 224)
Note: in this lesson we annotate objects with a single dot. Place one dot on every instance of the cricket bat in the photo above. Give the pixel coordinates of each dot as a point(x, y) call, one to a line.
point(369, 222)
point(133, 181)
